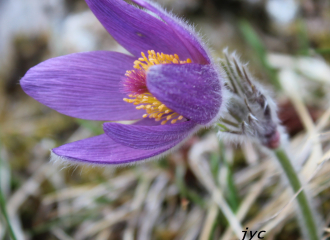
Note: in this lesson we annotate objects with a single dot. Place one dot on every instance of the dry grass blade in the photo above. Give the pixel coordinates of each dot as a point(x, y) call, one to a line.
point(60, 234)
point(152, 205)
point(209, 221)
point(253, 194)
point(136, 205)
point(30, 187)
point(111, 217)
point(192, 225)
point(104, 235)
point(210, 143)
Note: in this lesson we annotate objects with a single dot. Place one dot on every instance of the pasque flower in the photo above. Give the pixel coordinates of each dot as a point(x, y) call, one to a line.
point(169, 85)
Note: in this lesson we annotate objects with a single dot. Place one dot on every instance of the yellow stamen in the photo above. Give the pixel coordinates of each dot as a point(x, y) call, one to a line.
point(153, 107)
point(155, 59)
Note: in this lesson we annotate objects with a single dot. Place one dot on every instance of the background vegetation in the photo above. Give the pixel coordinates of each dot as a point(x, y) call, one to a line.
point(287, 45)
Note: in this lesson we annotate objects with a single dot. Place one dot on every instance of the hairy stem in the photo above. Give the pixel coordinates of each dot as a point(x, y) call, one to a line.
point(304, 205)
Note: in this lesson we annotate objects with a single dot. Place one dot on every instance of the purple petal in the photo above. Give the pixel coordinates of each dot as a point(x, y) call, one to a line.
point(136, 30)
point(148, 137)
point(184, 32)
point(103, 150)
point(192, 90)
point(147, 122)
point(83, 85)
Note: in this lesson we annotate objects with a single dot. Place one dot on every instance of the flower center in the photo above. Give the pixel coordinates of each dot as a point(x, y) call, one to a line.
point(136, 86)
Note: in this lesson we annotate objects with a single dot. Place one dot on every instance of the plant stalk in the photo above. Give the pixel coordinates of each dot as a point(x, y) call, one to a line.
point(304, 205)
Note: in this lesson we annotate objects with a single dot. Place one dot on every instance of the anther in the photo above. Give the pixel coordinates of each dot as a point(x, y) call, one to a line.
point(140, 107)
point(153, 107)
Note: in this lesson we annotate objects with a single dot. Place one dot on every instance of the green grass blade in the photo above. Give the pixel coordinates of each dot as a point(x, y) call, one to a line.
point(3, 207)
point(258, 47)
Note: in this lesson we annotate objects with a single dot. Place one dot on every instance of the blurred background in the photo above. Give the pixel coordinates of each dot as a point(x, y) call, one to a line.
point(287, 46)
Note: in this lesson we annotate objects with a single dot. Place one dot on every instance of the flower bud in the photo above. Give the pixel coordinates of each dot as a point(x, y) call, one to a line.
point(251, 112)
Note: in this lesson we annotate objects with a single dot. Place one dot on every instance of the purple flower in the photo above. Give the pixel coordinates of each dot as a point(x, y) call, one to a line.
point(169, 85)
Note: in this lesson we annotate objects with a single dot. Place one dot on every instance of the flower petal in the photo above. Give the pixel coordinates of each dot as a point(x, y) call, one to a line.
point(103, 150)
point(147, 122)
point(83, 85)
point(136, 30)
point(148, 137)
point(184, 32)
point(192, 90)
